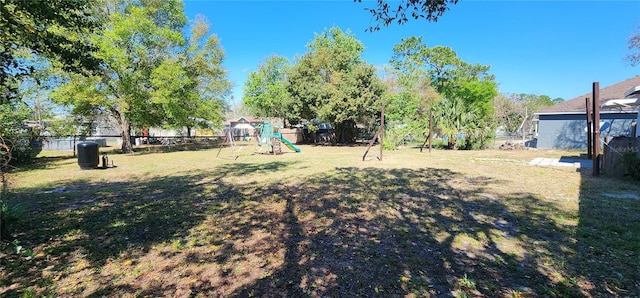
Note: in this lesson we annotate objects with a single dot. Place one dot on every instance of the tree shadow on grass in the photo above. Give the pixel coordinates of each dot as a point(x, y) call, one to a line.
point(99, 222)
point(152, 149)
point(607, 254)
point(44, 163)
point(348, 232)
point(373, 232)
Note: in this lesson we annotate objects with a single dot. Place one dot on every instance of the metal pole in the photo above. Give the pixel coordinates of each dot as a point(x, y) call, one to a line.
point(596, 128)
point(589, 123)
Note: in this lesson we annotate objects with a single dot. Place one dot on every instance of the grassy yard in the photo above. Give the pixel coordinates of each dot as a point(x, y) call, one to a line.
point(321, 223)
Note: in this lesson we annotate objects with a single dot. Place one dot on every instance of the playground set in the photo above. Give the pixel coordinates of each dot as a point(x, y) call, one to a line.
point(269, 139)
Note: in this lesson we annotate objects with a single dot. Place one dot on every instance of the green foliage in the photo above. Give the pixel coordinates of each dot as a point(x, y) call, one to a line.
point(333, 84)
point(385, 14)
point(10, 215)
point(47, 28)
point(478, 95)
point(31, 31)
point(265, 91)
point(440, 64)
point(451, 118)
point(151, 74)
point(408, 101)
point(137, 38)
point(202, 60)
point(468, 90)
point(15, 134)
point(396, 136)
point(467, 283)
point(631, 163)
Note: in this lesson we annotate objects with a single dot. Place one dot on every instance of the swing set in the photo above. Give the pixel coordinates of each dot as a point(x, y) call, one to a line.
point(379, 135)
point(228, 141)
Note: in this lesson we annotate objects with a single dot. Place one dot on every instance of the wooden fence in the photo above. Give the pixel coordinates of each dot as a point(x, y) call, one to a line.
point(614, 150)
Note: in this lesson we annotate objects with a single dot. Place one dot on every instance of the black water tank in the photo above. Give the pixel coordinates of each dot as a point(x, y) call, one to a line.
point(88, 155)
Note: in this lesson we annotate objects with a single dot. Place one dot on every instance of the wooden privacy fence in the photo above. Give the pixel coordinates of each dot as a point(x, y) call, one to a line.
point(615, 151)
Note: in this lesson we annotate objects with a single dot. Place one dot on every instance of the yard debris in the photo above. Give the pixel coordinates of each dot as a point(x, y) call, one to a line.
point(511, 146)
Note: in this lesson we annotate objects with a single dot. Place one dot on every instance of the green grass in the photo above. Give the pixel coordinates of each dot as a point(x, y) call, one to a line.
point(320, 223)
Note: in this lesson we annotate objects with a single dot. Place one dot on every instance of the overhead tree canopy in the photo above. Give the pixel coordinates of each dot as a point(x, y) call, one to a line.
point(387, 12)
point(29, 32)
point(54, 29)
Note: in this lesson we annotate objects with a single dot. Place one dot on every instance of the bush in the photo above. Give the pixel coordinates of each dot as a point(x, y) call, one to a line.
point(10, 215)
point(22, 140)
point(631, 164)
point(24, 151)
point(396, 137)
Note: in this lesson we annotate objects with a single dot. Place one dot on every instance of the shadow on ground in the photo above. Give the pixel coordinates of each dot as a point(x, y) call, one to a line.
point(607, 250)
point(372, 232)
point(349, 232)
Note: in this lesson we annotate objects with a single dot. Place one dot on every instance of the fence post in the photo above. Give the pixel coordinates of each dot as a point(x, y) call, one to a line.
point(596, 128)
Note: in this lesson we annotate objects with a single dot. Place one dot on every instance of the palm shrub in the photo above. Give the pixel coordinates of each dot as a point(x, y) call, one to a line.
point(453, 117)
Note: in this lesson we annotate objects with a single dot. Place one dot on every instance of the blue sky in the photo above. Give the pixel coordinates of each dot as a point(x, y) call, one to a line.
point(555, 48)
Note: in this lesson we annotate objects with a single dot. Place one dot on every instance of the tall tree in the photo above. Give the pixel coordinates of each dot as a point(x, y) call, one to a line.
point(148, 76)
point(386, 12)
point(191, 89)
point(464, 85)
point(332, 83)
point(265, 91)
point(407, 105)
point(136, 40)
point(514, 112)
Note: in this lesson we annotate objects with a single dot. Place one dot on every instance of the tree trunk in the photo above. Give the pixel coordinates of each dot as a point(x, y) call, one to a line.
point(452, 142)
point(345, 132)
point(125, 132)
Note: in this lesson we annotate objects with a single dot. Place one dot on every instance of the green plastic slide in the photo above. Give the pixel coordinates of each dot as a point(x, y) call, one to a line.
point(287, 143)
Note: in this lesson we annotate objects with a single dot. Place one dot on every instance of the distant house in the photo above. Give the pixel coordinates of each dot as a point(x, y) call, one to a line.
point(563, 126)
point(240, 128)
point(243, 127)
